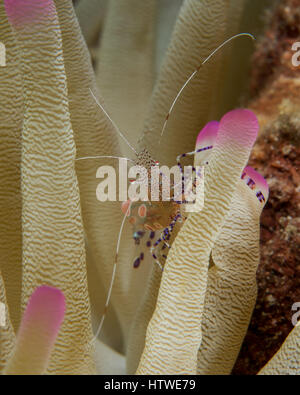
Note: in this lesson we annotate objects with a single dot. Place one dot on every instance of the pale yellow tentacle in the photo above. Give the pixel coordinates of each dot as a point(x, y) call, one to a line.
point(11, 118)
point(7, 335)
point(53, 240)
point(287, 360)
point(231, 288)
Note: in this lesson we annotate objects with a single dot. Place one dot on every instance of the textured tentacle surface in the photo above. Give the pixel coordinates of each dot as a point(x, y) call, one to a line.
point(11, 118)
point(94, 135)
point(7, 335)
point(53, 242)
point(231, 288)
point(141, 320)
point(286, 360)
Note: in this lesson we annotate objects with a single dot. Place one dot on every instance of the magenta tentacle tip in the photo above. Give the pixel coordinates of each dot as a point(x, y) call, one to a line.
point(240, 126)
point(27, 12)
point(46, 305)
point(208, 134)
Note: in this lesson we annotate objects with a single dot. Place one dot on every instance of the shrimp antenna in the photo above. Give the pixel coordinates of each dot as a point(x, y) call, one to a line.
point(113, 123)
point(104, 156)
point(113, 274)
point(196, 71)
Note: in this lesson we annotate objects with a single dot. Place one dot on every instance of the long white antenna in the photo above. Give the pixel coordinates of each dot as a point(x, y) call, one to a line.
point(113, 123)
point(196, 71)
point(113, 274)
point(104, 156)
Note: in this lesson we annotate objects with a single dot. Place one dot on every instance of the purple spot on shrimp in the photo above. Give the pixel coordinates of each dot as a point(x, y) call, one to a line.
point(136, 263)
point(152, 235)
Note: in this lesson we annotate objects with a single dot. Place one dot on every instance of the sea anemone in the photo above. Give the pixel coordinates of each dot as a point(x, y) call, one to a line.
point(59, 242)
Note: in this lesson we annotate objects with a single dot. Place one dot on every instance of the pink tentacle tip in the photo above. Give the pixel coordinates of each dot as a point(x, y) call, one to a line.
point(46, 308)
point(256, 182)
point(208, 134)
point(240, 126)
point(28, 12)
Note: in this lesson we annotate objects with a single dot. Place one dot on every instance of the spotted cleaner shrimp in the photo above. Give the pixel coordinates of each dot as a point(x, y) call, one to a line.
point(149, 218)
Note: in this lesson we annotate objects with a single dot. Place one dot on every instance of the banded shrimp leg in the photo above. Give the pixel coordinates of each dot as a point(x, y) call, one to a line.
point(164, 238)
point(167, 231)
point(204, 144)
